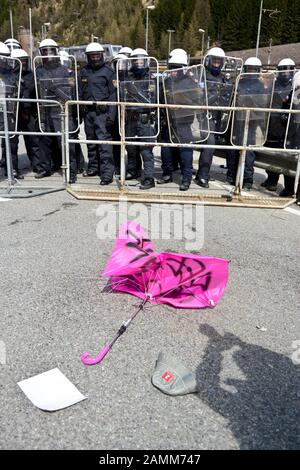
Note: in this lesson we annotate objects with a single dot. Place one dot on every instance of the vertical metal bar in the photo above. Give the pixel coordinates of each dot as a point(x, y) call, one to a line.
point(259, 26)
point(11, 23)
point(242, 159)
point(9, 167)
point(122, 163)
point(297, 177)
point(65, 144)
point(147, 25)
point(30, 36)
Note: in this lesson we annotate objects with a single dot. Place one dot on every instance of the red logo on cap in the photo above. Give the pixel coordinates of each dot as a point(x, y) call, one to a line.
point(168, 376)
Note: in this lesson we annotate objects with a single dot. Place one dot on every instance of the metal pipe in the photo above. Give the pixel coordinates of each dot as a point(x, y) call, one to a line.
point(242, 159)
point(297, 175)
point(147, 26)
point(65, 154)
point(30, 36)
point(259, 26)
point(9, 167)
point(11, 23)
point(122, 143)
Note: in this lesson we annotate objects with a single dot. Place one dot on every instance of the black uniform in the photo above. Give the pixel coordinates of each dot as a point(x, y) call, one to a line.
point(27, 122)
point(181, 129)
point(277, 128)
point(11, 91)
point(216, 96)
point(139, 124)
point(98, 85)
point(249, 88)
point(56, 83)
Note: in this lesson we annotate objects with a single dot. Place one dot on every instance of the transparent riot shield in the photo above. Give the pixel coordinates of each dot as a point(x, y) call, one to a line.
point(187, 87)
point(292, 138)
point(219, 94)
point(139, 85)
point(252, 91)
point(57, 82)
point(232, 68)
point(281, 96)
point(10, 75)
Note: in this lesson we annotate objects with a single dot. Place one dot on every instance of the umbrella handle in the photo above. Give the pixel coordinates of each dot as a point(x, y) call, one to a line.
point(90, 361)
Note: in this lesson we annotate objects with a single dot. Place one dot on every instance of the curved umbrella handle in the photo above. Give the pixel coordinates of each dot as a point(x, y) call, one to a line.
point(89, 360)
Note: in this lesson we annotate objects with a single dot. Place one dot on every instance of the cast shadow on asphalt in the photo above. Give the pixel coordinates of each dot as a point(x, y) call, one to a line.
point(263, 411)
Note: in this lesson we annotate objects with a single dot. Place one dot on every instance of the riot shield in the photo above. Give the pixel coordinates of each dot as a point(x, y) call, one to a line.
point(253, 90)
point(292, 138)
point(57, 82)
point(232, 68)
point(10, 75)
point(186, 86)
point(282, 90)
point(219, 94)
point(140, 122)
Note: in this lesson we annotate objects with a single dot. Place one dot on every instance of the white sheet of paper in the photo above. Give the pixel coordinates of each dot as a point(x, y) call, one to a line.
point(51, 391)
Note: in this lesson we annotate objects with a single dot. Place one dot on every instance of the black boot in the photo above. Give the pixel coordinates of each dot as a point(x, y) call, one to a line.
point(88, 173)
point(42, 174)
point(147, 183)
point(202, 182)
point(105, 181)
point(185, 185)
point(165, 179)
point(132, 176)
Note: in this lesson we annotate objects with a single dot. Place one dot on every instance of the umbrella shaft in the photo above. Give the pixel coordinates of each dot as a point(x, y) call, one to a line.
point(125, 324)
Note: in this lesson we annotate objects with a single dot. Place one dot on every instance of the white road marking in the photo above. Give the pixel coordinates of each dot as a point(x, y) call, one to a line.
point(4, 199)
point(292, 211)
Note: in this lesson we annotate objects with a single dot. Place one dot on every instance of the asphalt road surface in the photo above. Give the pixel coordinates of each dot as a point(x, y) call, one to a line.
point(245, 352)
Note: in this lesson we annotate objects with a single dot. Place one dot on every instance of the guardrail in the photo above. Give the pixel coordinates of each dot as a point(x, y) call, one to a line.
point(126, 142)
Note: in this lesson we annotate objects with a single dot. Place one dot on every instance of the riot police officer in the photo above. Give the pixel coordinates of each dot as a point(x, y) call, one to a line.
point(125, 51)
point(178, 81)
point(139, 119)
point(11, 81)
point(278, 123)
point(12, 44)
point(214, 63)
point(54, 82)
point(250, 87)
point(119, 61)
point(97, 83)
point(27, 115)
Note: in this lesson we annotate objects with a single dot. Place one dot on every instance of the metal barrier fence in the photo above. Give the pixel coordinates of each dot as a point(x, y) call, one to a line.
point(242, 149)
point(12, 182)
point(123, 142)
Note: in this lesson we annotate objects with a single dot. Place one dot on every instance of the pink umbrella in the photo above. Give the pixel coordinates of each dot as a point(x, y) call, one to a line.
point(180, 280)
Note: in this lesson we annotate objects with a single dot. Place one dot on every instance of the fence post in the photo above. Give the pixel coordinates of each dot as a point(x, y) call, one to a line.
point(65, 157)
point(122, 163)
point(242, 159)
point(9, 167)
point(297, 177)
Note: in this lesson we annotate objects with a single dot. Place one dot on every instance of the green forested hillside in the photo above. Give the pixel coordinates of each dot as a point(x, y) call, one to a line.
point(229, 23)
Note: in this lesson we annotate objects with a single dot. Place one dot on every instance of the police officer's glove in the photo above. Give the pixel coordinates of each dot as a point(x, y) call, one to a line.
point(109, 123)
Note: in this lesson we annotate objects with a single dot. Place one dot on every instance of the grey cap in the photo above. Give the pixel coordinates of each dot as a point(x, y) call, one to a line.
point(172, 377)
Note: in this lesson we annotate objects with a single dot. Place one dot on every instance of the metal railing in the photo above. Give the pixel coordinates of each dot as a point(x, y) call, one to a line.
point(7, 134)
point(123, 142)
